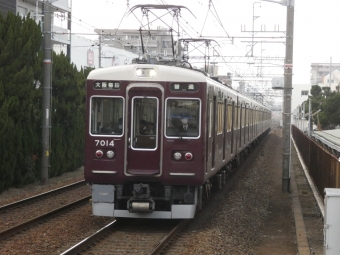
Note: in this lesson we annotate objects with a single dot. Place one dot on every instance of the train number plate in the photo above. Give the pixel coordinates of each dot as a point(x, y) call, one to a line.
point(104, 142)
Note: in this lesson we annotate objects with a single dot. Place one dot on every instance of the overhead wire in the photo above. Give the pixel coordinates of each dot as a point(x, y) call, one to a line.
point(218, 18)
point(205, 19)
point(185, 26)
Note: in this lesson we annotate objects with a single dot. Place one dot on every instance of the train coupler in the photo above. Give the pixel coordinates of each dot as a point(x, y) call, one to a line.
point(141, 205)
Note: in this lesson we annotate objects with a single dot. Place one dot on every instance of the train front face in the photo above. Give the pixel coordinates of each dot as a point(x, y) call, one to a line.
point(144, 141)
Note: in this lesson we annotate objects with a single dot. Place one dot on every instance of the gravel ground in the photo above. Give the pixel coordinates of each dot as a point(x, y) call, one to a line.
point(250, 215)
point(13, 194)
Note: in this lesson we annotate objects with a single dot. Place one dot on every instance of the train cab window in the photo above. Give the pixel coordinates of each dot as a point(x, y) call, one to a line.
point(106, 116)
point(182, 117)
point(144, 123)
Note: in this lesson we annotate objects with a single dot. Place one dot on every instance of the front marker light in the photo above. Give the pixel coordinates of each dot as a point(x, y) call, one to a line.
point(110, 154)
point(177, 155)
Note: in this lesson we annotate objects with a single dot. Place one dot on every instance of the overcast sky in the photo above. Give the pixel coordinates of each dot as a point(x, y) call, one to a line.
point(316, 36)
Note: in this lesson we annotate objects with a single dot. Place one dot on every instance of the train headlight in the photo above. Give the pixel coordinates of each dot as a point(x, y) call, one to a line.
point(110, 154)
point(145, 72)
point(177, 155)
point(99, 153)
point(188, 156)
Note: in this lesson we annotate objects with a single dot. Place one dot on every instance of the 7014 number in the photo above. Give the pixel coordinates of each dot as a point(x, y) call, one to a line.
point(104, 143)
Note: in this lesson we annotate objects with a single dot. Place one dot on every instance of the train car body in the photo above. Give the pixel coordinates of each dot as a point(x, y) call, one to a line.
point(156, 135)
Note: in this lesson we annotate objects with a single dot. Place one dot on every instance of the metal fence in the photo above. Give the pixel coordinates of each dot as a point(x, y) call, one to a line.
point(323, 167)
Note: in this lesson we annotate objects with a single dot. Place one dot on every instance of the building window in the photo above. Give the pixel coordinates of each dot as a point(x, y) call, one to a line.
point(332, 81)
point(304, 92)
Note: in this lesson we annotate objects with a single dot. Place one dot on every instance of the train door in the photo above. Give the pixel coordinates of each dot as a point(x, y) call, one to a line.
point(232, 127)
point(255, 122)
point(209, 137)
point(144, 115)
point(249, 123)
point(237, 126)
point(213, 129)
point(241, 124)
point(245, 123)
point(224, 128)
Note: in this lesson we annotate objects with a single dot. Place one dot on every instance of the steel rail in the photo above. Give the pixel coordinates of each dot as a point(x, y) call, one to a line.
point(89, 240)
point(167, 238)
point(6, 233)
point(41, 196)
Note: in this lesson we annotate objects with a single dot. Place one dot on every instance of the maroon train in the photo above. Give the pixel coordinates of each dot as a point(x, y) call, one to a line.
point(157, 135)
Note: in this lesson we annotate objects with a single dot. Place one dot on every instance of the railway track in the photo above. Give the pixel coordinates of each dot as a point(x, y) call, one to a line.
point(143, 236)
point(77, 226)
point(25, 213)
point(120, 235)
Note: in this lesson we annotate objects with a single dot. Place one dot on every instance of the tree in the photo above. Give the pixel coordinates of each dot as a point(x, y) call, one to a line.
point(332, 109)
point(68, 116)
point(20, 40)
point(315, 91)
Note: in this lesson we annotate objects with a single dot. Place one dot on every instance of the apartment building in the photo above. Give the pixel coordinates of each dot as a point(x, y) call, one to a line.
point(157, 42)
point(320, 70)
point(61, 18)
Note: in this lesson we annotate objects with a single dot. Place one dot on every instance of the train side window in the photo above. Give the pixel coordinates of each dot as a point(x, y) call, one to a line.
point(229, 116)
point(106, 116)
point(236, 117)
point(182, 117)
point(220, 118)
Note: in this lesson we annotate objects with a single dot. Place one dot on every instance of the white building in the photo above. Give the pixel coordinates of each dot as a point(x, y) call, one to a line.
point(300, 94)
point(157, 42)
point(320, 70)
point(85, 53)
point(331, 80)
point(61, 24)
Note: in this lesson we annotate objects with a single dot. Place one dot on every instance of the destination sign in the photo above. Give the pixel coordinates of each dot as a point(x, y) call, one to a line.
point(180, 87)
point(107, 85)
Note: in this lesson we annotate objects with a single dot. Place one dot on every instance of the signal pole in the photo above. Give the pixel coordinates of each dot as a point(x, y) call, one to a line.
point(47, 91)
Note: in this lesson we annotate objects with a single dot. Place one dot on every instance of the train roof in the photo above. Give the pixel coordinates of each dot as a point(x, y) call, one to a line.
point(163, 73)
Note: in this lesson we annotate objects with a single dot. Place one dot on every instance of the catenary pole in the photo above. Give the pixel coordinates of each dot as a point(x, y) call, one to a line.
point(287, 93)
point(46, 102)
point(287, 98)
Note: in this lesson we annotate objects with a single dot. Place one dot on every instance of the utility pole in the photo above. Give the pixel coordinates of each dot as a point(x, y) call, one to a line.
point(47, 90)
point(330, 73)
point(100, 51)
point(287, 98)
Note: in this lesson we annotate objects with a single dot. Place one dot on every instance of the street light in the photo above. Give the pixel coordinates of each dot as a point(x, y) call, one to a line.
point(287, 92)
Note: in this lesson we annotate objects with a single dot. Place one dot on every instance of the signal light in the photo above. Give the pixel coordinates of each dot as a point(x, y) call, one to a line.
point(99, 153)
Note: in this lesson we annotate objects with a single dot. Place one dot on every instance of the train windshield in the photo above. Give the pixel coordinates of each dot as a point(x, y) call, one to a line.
point(106, 116)
point(182, 117)
point(144, 123)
